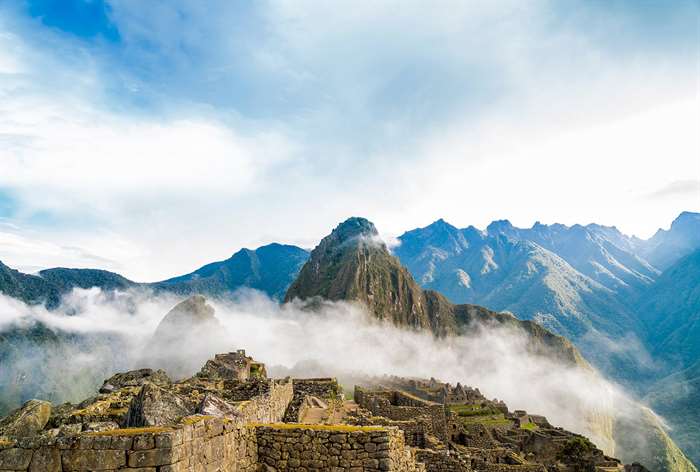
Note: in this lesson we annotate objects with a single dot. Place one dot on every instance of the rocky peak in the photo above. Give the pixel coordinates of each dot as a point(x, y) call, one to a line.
point(354, 228)
point(686, 218)
point(500, 226)
point(190, 323)
point(192, 311)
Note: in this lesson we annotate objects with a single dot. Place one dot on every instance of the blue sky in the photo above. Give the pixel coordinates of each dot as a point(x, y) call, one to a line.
point(157, 136)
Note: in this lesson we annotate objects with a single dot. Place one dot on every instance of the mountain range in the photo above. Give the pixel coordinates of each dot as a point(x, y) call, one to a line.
point(630, 305)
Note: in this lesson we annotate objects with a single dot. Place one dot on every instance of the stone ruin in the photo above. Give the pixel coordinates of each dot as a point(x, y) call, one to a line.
point(230, 417)
point(457, 429)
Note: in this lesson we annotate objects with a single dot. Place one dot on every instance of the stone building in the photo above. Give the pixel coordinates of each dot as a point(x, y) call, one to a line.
point(230, 417)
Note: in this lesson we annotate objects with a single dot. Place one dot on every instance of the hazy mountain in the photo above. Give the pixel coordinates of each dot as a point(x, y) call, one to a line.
point(602, 253)
point(270, 269)
point(28, 288)
point(667, 246)
point(353, 264)
point(676, 398)
point(502, 272)
point(670, 311)
point(66, 280)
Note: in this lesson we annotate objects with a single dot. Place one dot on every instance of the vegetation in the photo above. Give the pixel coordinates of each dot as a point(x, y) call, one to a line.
point(319, 427)
point(577, 452)
point(474, 410)
point(530, 426)
point(131, 431)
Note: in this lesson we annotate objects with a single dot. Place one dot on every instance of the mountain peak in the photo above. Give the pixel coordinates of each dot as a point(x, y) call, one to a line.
point(441, 225)
point(499, 226)
point(685, 218)
point(354, 227)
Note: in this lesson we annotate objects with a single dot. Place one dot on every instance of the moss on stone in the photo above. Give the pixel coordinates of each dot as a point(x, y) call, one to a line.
point(132, 431)
point(319, 427)
point(195, 419)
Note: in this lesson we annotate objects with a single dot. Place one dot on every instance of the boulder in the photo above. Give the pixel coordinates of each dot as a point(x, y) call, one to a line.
point(155, 405)
point(28, 420)
point(135, 378)
point(213, 405)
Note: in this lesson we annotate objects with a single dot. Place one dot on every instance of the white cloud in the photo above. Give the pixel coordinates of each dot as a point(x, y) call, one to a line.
point(276, 123)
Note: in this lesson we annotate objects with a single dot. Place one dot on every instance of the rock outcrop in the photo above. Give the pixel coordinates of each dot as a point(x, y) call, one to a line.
point(135, 378)
point(26, 421)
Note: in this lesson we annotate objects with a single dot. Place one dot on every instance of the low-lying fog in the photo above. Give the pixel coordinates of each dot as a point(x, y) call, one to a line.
point(103, 333)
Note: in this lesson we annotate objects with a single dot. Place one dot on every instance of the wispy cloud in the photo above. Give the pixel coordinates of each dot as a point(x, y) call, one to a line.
point(192, 130)
point(678, 188)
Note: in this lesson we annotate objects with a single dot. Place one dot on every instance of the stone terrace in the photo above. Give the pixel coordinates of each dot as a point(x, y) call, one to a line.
point(212, 444)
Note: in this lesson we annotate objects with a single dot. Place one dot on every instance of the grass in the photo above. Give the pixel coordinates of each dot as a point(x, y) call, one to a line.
point(318, 427)
point(195, 419)
point(483, 415)
point(473, 410)
point(493, 421)
point(6, 442)
point(131, 431)
point(529, 426)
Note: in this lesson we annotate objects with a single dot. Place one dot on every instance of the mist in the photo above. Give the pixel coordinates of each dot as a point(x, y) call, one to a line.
point(94, 334)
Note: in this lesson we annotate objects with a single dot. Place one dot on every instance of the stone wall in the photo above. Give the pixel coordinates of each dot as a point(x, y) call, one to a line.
point(442, 461)
point(237, 391)
point(398, 405)
point(415, 431)
point(211, 444)
point(201, 443)
point(269, 407)
point(334, 448)
point(324, 388)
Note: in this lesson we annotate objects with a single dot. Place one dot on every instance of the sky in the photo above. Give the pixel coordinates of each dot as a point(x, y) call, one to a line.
point(150, 138)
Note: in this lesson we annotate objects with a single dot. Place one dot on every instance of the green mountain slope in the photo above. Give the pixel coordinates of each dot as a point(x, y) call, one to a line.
point(522, 277)
point(270, 269)
point(28, 288)
point(670, 311)
point(353, 264)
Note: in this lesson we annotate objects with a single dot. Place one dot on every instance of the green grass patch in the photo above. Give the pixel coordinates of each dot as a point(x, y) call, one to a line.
point(131, 431)
point(473, 410)
point(529, 426)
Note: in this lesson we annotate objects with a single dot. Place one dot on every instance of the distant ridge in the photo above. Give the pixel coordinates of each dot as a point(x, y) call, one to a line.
point(269, 269)
point(353, 264)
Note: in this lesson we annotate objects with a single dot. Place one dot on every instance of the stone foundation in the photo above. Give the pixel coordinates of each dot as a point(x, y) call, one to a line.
point(200, 444)
point(212, 444)
point(334, 448)
point(269, 407)
point(401, 406)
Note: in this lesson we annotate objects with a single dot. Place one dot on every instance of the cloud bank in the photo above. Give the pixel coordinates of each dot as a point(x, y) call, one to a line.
point(101, 333)
point(192, 131)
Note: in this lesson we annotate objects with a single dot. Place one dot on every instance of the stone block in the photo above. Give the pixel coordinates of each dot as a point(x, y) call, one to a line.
point(46, 459)
point(83, 459)
point(15, 458)
point(151, 458)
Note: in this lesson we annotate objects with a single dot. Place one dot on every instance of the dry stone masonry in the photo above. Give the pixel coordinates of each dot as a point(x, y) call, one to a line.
point(230, 417)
